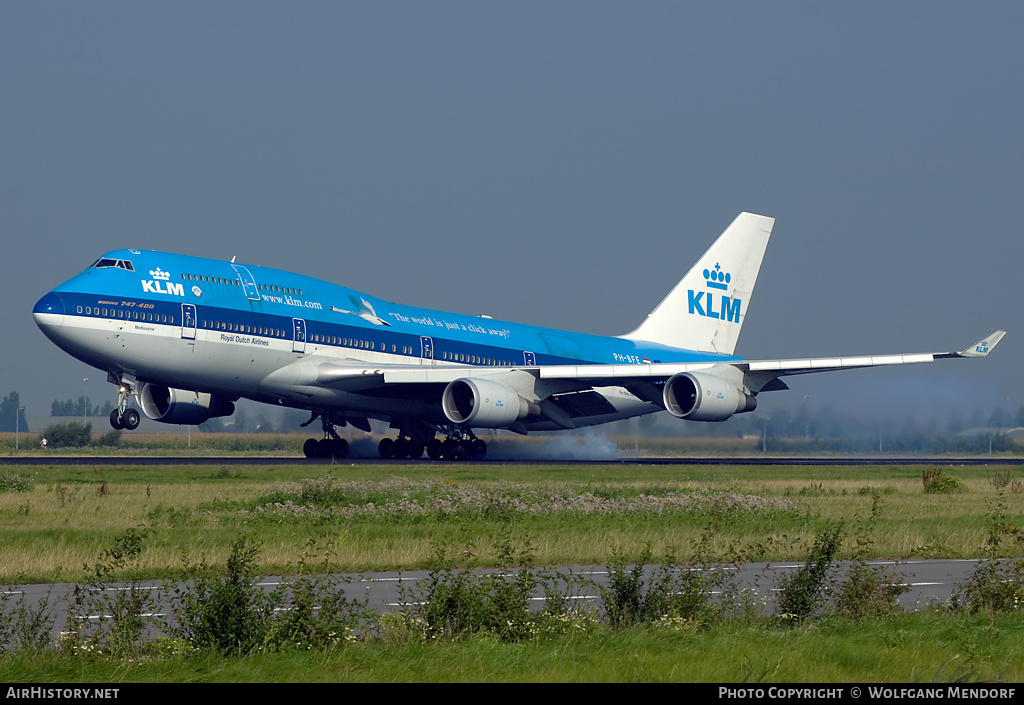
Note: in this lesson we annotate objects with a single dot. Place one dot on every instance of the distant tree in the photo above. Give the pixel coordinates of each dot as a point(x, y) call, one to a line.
point(241, 421)
point(291, 420)
point(71, 407)
point(214, 425)
point(956, 422)
point(999, 418)
point(12, 416)
point(263, 425)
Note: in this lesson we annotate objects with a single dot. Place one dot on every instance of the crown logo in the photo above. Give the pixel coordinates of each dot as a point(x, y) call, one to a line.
point(717, 279)
point(159, 274)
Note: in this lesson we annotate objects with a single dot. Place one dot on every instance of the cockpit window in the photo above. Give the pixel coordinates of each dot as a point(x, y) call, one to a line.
point(104, 262)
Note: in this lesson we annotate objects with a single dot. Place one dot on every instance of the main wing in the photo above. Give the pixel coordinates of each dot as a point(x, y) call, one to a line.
point(759, 374)
point(567, 396)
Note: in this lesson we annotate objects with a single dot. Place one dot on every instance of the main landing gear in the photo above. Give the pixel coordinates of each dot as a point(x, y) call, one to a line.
point(459, 445)
point(122, 417)
point(331, 445)
point(414, 439)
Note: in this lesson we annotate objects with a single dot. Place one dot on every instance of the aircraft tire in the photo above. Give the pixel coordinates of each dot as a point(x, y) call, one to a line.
point(130, 419)
point(311, 448)
point(478, 450)
point(386, 448)
point(115, 420)
point(434, 449)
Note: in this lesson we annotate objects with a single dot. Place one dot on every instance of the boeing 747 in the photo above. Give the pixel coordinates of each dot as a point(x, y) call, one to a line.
point(187, 337)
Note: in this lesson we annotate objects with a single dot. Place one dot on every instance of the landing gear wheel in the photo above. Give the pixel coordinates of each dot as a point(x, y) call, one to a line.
point(434, 449)
point(454, 450)
point(130, 419)
point(331, 448)
point(311, 448)
point(115, 420)
point(386, 448)
point(477, 449)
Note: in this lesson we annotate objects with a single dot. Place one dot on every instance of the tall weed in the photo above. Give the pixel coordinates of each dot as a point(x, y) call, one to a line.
point(107, 618)
point(646, 592)
point(456, 603)
point(230, 614)
point(234, 615)
point(868, 591)
point(995, 585)
point(801, 593)
point(23, 627)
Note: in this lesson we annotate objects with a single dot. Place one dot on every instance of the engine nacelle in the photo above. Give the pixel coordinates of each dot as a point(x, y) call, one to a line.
point(703, 397)
point(169, 405)
point(482, 403)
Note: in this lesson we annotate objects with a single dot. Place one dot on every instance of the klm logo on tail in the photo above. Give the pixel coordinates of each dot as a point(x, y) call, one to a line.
point(703, 303)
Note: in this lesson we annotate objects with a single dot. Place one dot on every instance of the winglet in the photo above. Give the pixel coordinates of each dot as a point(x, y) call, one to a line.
point(984, 346)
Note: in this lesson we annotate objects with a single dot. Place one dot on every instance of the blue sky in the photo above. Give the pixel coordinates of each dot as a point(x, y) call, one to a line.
point(553, 163)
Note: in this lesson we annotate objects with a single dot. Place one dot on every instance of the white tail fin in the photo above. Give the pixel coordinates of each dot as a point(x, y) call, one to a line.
point(707, 307)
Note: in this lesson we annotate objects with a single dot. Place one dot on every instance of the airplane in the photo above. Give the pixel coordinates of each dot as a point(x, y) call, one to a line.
point(187, 337)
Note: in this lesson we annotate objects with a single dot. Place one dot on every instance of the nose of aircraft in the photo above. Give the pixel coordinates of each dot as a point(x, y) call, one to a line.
point(49, 311)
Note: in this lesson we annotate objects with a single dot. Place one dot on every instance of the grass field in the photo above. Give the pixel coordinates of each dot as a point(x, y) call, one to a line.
point(920, 648)
point(375, 519)
point(56, 521)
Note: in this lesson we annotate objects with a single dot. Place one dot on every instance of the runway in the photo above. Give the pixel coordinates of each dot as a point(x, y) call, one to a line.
point(73, 460)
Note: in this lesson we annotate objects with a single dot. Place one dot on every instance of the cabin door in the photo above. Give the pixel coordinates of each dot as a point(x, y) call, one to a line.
point(298, 335)
point(188, 321)
point(252, 291)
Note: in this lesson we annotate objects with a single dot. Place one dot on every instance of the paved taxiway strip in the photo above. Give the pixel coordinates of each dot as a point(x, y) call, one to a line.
point(929, 581)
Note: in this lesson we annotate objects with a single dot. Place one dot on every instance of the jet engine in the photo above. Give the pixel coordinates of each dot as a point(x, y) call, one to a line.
point(482, 403)
point(179, 406)
point(703, 397)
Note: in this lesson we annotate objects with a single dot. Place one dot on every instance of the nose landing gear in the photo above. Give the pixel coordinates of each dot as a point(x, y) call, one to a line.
point(122, 417)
